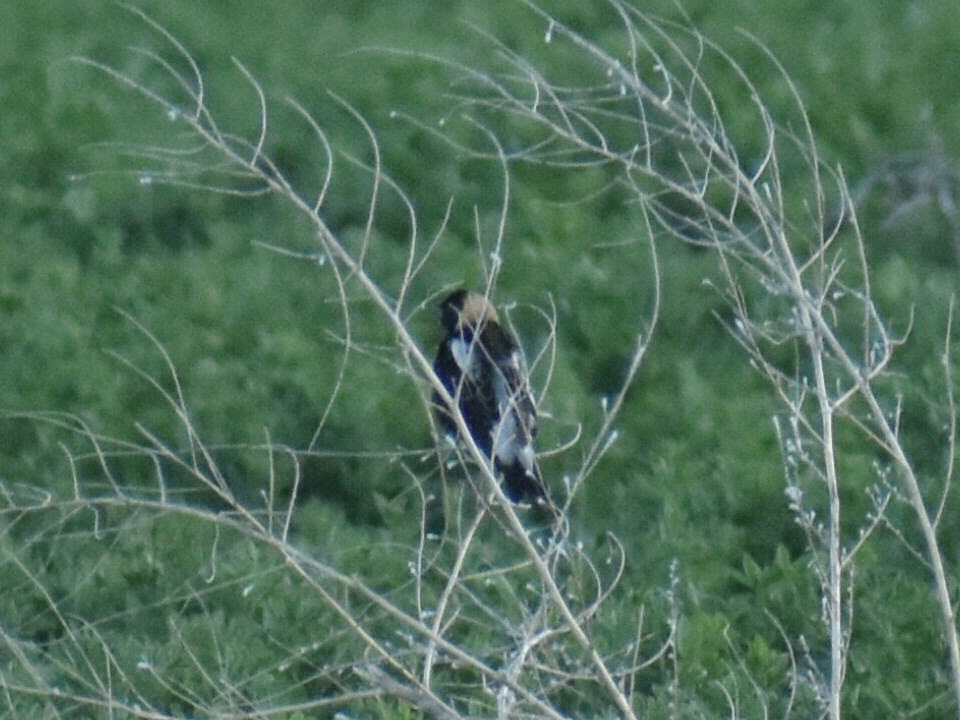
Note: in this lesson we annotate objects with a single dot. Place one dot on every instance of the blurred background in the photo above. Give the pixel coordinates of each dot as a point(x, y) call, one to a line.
point(696, 474)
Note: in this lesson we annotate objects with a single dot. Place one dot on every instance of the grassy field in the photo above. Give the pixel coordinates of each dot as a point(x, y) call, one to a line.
point(243, 537)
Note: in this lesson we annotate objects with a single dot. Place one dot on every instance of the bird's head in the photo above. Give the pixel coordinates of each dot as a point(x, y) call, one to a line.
point(462, 310)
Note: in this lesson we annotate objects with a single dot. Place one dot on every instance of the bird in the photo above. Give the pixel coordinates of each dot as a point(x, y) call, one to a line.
point(480, 364)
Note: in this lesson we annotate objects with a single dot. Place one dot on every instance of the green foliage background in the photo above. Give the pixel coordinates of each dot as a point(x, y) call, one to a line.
point(695, 476)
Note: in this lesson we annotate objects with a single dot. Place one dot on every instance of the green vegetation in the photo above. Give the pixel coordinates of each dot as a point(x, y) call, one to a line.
point(131, 579)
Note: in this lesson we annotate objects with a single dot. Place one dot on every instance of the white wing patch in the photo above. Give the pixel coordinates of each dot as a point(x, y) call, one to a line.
point(511, 435)
point(509, 445)
point(464, 356)
point(505, 438)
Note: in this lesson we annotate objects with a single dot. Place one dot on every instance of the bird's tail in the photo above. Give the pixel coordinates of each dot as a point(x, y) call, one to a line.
point(526, 486)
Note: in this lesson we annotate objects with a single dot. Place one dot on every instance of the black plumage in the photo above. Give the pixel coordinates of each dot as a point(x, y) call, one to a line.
point(481, 366)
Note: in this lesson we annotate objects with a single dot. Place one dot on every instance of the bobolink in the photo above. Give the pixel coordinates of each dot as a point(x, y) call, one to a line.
point(480, 364)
